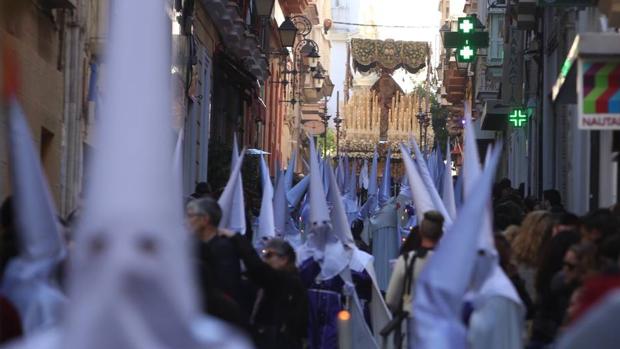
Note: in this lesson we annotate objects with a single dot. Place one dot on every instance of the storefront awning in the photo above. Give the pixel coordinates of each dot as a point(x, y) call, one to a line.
point(494, 115)
point(598, 46)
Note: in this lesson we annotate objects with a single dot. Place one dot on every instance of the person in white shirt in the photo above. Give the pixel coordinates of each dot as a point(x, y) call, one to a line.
point(409, 265)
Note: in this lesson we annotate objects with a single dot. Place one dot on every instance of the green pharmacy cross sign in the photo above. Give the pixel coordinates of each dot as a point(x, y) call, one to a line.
point(466, 53)
point(468, 38)
point(466, 25)
point(518, 117)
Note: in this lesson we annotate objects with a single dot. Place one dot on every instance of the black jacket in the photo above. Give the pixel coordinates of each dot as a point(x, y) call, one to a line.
point(219, 273)
point(280, 318)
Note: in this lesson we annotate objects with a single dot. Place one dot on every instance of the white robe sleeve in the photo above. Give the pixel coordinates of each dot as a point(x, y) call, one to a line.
point(397, 282)
point(498, 324)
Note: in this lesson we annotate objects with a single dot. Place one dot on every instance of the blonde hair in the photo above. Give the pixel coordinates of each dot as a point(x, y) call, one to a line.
point(511, 232)
point(534, 232)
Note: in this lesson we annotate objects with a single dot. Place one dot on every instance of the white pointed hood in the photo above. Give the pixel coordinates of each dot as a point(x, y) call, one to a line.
point(27, 277)
point(290, 171)
point(429, 184)
point(280, 207)
point(230, 207)
point(347, 172)
point(237, 220)
point(363, 178)
point(405, 189)
point(177, 165)
point(338, 217)
point(342, 229)
point(385, 193)
point(372, 181)
point(296, 193)
point(266, 224)
point(351, 185)
point(443, 282)
point(421, 197)
point(471, 171)
point(319, 214)
point(131, 282)
point(341, 175)
point(448, 186)
point(496, 282)
point(370, 205)
point(351, 204)
point(435, 167)
point(321, 244)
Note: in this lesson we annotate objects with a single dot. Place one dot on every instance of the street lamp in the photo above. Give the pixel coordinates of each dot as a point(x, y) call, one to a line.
point(325, 118)
point(427, 123)
point(328, 87)
point(421, 117)
point(288, 32)
point(264, 7)
point(318, 78)
point(337, 122)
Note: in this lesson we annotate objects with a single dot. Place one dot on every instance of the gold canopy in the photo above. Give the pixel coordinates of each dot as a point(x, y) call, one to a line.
point(389, 54)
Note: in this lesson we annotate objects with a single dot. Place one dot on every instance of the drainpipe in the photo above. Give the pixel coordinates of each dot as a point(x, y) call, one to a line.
point(70, 144)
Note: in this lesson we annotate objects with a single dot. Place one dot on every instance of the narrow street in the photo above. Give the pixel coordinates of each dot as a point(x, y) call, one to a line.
point(309, 174)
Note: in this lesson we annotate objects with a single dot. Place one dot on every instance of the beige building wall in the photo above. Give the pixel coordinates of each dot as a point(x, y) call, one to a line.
point(33, 36)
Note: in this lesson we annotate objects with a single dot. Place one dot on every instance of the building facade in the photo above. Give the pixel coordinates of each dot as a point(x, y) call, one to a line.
point(229, 77)
point(524, 73)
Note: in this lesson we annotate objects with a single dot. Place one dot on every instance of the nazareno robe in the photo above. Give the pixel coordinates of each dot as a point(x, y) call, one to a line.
point(385, 241)
point(326, 300)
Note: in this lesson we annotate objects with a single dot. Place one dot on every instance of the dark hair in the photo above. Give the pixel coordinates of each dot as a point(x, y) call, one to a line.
point(283, 249)
point(357, 226)
point(567, 218)
point(552, 258)
point(507, 213)
point(610, 249)
point(202, 188)
point(432, 226)
point(553, 196)
point(505, 183)
point(208, 207)
point(530, 202)
point(586, 256)
point(412, 242)
point(603, 221)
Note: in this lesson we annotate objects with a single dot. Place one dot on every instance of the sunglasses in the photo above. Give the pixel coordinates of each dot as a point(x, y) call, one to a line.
point(269, 254)
point(570, 266)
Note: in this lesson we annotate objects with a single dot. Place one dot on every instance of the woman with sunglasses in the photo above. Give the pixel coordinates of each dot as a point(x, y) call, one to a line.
point(280, 314)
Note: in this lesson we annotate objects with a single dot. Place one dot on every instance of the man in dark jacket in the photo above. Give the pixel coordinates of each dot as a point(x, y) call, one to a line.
point(218, 263)
point(280, 315)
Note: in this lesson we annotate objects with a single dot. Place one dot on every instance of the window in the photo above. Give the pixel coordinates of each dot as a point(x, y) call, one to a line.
point(46, 152)
point(496, 39)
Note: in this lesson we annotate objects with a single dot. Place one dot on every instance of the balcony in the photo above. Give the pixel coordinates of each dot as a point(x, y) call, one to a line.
point(293, 6)
point(455, 81)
